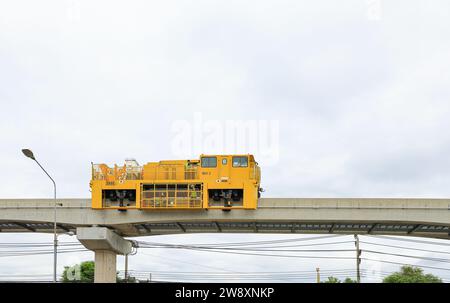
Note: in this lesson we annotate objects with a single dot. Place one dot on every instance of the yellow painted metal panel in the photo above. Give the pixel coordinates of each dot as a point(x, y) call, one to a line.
point(235, 182)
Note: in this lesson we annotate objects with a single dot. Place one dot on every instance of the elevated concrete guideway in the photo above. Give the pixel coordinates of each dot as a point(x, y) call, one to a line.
point(102, 231)
point(415, 217)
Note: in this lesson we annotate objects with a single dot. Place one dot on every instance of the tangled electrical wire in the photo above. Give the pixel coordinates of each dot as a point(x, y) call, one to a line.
point(315, 247)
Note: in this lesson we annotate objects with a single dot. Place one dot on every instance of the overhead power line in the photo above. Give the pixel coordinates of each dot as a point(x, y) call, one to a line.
point(248, 243)
point(409, 256)
point(408, 240)
point(28, 253)
point(407, 264)
point(407, 248)
point(268, 255)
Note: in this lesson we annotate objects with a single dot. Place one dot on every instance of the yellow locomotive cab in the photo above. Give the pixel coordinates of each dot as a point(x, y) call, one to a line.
point(212, 182)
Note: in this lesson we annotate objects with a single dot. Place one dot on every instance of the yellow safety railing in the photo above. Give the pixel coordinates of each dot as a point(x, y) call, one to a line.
point(255, 172)
point(190, 173)
point(160, 172)
point(171, 196)
point(118, 173)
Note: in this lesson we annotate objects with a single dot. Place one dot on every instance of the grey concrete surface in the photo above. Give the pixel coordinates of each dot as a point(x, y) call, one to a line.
point(416, 217)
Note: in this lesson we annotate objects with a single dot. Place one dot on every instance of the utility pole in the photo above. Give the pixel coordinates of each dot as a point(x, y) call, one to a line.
point(358, 260)
point(318, 274)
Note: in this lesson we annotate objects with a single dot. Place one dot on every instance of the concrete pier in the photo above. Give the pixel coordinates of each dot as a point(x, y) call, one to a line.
point(107, 245)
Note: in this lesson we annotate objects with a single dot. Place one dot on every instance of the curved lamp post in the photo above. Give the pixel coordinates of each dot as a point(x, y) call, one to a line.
point(29, 154)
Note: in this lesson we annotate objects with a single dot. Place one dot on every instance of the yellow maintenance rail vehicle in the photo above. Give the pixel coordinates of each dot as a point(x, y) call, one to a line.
point(212, 182)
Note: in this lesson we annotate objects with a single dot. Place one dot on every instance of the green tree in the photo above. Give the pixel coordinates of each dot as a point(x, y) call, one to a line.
point(332, 280)
point(84, 273)
point(80, 273)
point(410, 274)
point(130, 280)
point(336, 280)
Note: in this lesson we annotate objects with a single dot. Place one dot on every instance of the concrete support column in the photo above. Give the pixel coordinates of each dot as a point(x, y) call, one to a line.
point(105, 266)
point(107, 245)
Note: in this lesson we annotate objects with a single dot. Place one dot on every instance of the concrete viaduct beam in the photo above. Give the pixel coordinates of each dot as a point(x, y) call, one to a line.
point(408, 217)
point(106, 245)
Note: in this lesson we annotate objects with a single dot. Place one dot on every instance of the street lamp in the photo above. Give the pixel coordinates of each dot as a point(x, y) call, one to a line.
point(29, 154)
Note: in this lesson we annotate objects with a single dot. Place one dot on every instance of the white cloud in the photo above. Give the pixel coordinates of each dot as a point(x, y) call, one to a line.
point(362, 104)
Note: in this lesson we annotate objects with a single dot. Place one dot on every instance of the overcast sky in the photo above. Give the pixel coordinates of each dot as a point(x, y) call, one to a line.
point(350, 98)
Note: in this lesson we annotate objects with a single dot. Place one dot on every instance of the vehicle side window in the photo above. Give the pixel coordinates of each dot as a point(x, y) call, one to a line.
point(209, 162)
point(240, 161)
